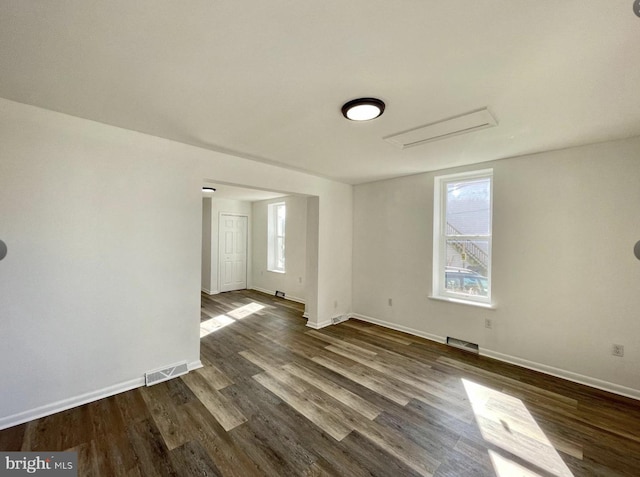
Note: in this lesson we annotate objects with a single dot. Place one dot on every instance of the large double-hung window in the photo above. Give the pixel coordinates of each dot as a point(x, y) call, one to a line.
point(462, 236)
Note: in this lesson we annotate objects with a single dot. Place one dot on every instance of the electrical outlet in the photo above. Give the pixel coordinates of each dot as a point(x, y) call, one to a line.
point(335, 304)
point(390, 302)
point(617, 350)
point(488, 323)
point(299, 279)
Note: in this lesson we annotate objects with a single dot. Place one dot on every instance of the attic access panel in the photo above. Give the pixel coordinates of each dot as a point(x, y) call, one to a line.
point(447, 128)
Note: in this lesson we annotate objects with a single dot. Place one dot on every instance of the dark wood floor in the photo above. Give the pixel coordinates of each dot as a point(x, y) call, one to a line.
point(277, 398)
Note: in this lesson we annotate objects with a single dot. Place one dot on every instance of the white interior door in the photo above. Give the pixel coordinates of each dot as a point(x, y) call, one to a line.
point(233, 252)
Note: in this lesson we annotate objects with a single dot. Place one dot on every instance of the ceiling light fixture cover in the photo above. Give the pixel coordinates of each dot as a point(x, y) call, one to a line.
point(208, 189)
point(363, 109)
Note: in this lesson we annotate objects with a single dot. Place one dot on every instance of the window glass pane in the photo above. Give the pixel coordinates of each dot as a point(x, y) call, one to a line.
point(280, 221)
point(280, 253)
point(276, 216)
point(468, 207)
point(470, 255)
point(465, 283)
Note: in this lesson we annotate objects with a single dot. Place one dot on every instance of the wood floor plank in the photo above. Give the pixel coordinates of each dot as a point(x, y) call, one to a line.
point(132, 406)
point(29, 435)
point(275, 441)
point(213, 375)
point(165, 414)
point(378, 332)
point(11, 439)
point(399, 446)
point(192, 459)
point(436, 441)
point(251, 397)
point(86, 464)
point(149, 449)
point(266, 460)
point(357, 403)
point(364, 379)
point(112, 455)
point(325, 420)
point(375, 459)
point(273, 367)
point(230, 458)
point(357, 350)
point(317, 470)
point(227, 414)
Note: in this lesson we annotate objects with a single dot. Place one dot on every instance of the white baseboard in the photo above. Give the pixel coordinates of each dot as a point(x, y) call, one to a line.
point(75, 401)
point(209, 292)
point(524, 363)
point(273, 292)
point(394, 326)
point(564, 374)
point(317, 326)
point(193, 365)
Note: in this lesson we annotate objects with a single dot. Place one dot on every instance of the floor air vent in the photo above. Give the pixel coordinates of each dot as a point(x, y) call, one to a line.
point(279, 294)
point(155, 377)
point(465, 345)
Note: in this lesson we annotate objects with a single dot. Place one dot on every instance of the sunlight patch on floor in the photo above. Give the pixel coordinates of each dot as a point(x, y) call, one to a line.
point(215, 323)
point(507, 468)
point(245, 310)
point(505, 422)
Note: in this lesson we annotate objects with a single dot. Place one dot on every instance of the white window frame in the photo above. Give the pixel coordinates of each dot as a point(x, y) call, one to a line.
point(275, 254)
point(440, 238)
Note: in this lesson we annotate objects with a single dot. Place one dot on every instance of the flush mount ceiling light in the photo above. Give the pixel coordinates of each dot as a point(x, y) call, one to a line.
point(208, 189)
point(363, 109)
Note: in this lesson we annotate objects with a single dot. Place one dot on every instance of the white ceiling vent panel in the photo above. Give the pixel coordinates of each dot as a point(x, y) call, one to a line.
point(463, 124)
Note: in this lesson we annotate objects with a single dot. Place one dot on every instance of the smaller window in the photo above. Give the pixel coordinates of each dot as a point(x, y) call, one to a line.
point(276, 217)
point(462, 236)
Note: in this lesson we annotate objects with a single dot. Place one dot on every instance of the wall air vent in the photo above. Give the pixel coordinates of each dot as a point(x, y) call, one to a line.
point(465, 345)
point(339, 319)
point(463, 124)
point(157, 376)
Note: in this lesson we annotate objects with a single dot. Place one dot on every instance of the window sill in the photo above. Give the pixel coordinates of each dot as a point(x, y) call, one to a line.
point(277, 271)
point(489, 306)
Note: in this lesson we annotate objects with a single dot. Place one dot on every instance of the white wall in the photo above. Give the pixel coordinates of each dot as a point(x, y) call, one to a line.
point(335, 227)
point(565, 281)
point(293, 281)
point(221, 206)
point(206, 245)
point(311, 264)
point(101, 280)
point(104, 228)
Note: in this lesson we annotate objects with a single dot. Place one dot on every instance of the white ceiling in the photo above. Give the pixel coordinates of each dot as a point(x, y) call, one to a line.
point(266, 79)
